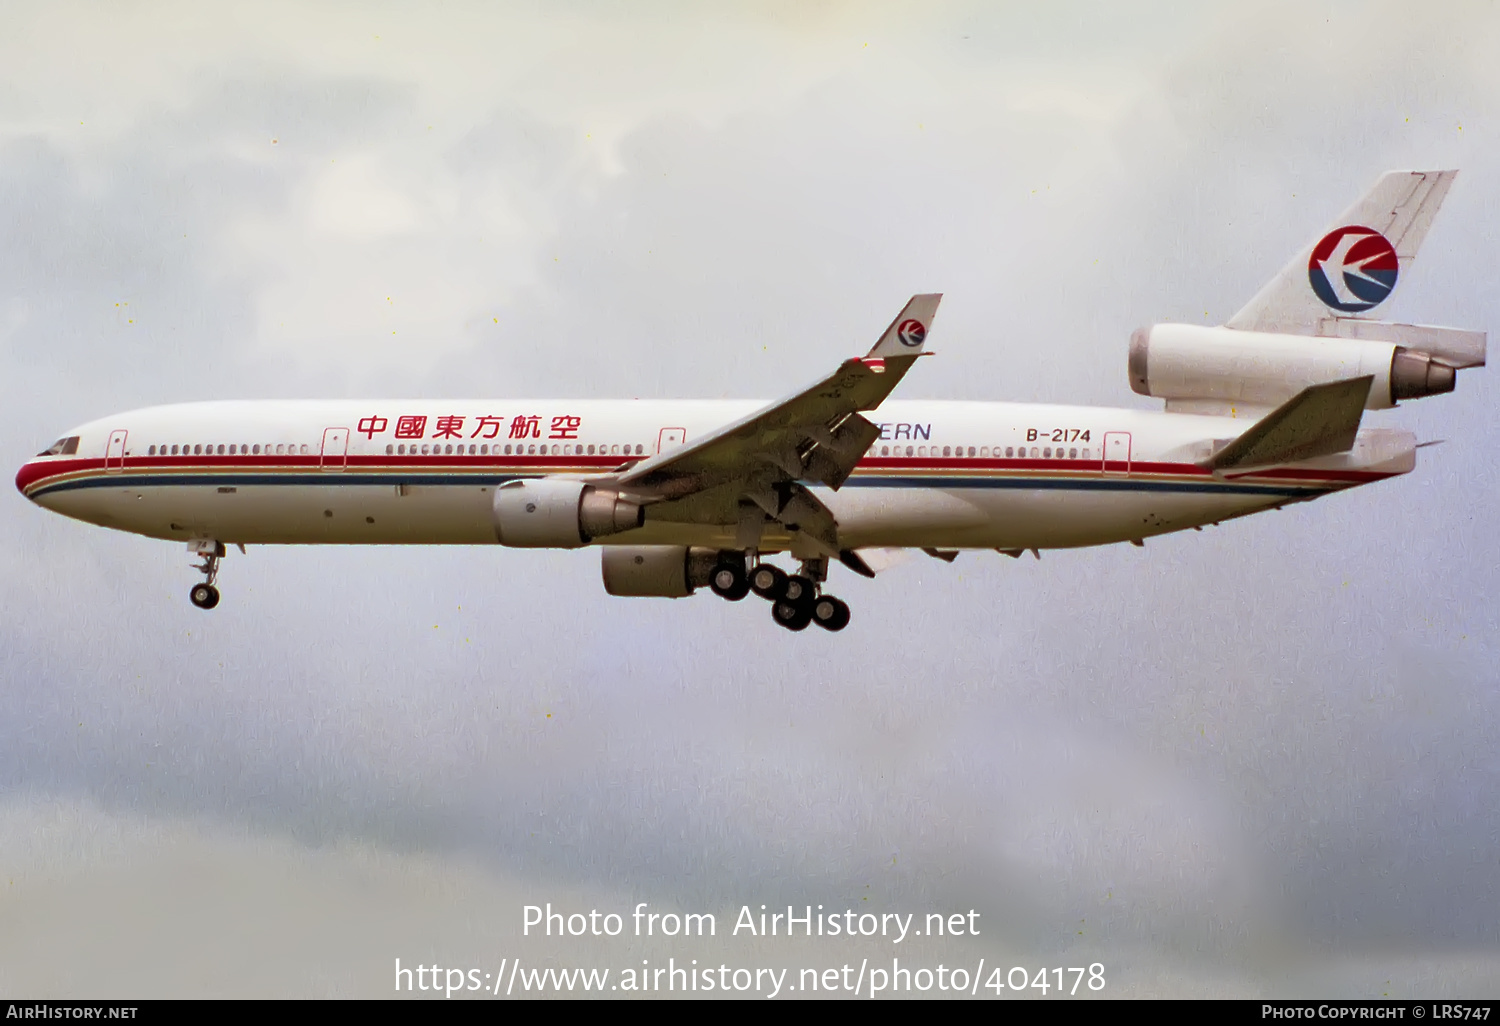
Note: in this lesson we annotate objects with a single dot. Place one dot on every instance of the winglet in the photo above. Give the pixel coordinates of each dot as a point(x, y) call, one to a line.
point(908, 332)
point(1318, 421)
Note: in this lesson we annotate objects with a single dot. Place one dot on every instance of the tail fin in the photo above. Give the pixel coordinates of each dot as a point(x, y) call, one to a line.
point(908, 332)
point(1354, 266)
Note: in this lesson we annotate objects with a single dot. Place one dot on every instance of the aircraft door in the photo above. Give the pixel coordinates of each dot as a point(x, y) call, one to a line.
point(114, 453)
point(335, 454)
point(1117, 452)
point(671, 438)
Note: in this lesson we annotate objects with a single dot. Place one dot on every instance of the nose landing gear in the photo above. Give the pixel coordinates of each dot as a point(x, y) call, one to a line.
point(205, 595)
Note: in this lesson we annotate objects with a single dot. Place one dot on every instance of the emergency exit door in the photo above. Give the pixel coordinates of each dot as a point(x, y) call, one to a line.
point(114, 453)
point(335, 449)
point(1117, 452)
point(671, 438)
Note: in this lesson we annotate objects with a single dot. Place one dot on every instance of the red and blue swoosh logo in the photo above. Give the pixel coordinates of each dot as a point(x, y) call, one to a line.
point(1353, 268)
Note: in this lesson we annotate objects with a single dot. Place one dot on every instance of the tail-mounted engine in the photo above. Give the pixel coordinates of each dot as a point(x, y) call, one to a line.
point(1205, 369)
point(557, 514)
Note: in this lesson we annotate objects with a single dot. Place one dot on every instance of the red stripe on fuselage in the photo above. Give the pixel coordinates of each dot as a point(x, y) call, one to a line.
point(36, 472)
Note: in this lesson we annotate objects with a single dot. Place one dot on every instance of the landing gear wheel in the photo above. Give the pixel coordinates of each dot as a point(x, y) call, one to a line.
point(799, 590)
point(204, 596)
point(729, 581)
point(794, 616)
point(767, 581)
point(830, 613)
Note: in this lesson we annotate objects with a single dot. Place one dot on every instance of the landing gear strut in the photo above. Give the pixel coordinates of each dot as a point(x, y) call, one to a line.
point(728, 579)
point(802, 601)
point(797, 600)
point(205, 595)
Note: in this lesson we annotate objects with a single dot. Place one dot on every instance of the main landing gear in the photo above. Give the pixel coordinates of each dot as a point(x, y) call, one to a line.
point(205, 595)
point(796, 599)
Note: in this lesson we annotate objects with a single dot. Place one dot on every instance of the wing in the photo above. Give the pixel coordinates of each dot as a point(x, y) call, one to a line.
point(762, 461)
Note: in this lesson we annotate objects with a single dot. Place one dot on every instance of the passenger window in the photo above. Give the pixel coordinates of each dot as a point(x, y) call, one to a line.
point(1072, 454)
point(389, 450)
point(1085, 454)
point(507, 450)
point(909, 450)
point(281, 448)
point(984, 450)
point(591, 450)
point(151, 451)
point(946, 450)
point(885, 450)
point(1047, 452)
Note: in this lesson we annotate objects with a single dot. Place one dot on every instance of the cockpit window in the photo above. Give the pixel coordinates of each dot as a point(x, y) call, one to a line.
point(62, 447)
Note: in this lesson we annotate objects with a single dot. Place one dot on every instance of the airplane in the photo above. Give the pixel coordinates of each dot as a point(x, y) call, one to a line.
point(1262, 411)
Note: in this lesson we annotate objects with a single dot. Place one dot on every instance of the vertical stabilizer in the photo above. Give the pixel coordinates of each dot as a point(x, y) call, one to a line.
point(1355, 265)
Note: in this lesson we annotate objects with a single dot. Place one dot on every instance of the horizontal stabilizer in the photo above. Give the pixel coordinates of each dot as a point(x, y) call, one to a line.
point(1318, 421)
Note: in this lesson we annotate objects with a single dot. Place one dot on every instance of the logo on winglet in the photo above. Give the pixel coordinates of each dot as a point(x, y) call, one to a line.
point(1353, 268)
point(910, 333)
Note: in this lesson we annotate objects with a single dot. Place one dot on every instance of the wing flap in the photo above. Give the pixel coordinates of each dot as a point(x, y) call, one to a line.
point(1318, 421)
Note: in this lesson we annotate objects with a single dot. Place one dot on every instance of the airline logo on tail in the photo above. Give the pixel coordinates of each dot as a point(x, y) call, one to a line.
point(911, 333)
point(1353, 268)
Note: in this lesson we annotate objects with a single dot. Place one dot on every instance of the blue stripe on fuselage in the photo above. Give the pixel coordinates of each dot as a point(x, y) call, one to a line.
point(1112, 484)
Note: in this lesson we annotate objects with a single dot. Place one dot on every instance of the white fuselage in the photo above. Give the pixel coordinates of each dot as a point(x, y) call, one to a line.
point(943, 474)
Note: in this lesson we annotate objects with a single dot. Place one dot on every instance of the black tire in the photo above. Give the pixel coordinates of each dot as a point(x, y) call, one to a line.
point(204, 596)
point(830, 613)
point(769, 582)
point(799, 589)
point(728, 581)
point(794, 616)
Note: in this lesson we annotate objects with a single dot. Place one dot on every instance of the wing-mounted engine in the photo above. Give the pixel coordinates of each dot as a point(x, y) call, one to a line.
point(549, 513)
point(656, 571)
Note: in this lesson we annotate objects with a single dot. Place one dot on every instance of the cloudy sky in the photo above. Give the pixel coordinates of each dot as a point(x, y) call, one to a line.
point(1255, 760)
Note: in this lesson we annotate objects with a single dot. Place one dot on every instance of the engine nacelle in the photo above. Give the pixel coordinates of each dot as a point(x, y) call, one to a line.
point(557, 514)
point(656, 571)
point(1184, 362)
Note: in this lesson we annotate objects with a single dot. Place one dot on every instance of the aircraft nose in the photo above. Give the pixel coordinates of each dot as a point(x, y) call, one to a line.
point(26, 475)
